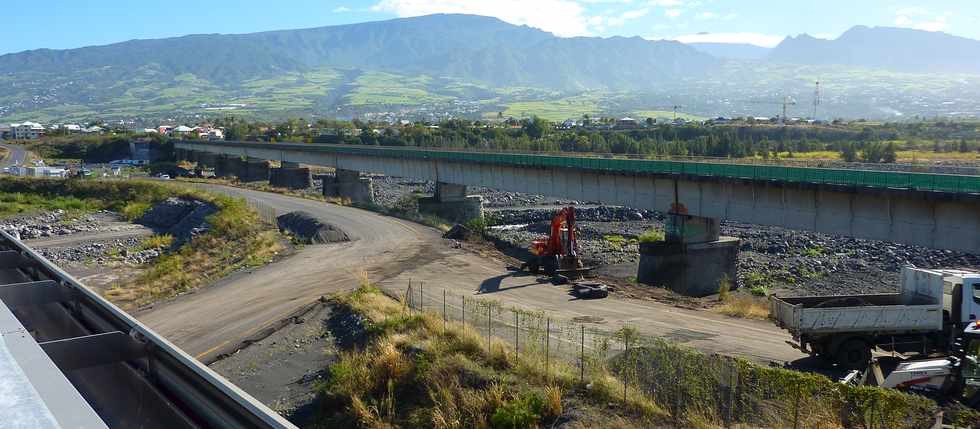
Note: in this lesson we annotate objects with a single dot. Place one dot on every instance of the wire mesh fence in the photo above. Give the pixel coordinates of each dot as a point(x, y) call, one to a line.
point(685, 383)
point(266, 212)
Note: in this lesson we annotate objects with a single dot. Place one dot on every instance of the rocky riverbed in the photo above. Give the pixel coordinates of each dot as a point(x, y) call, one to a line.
point(771, 259)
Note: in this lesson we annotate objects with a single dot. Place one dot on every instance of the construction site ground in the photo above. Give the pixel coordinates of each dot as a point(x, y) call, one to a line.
point(220, 318)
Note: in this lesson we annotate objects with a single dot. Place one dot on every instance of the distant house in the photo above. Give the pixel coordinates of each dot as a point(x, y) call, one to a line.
point(27, 131)
point(165, 129)
point(568, 124)
point(181, 130)
point(6, 132)
point(627, 123)
point(95, 129)
point(214, 134)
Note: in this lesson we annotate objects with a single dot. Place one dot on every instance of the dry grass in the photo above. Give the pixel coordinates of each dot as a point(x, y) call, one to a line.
point(744, 306)
point(463, 383)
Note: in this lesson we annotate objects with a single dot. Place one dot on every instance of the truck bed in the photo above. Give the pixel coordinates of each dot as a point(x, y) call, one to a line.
point(880, 313)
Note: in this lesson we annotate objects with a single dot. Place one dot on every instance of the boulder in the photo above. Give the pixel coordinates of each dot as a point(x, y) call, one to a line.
point(309, 229)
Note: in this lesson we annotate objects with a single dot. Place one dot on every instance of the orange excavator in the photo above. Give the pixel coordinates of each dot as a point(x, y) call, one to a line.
point(558, 253)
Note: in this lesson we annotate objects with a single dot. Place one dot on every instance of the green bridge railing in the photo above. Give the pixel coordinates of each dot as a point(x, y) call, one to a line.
point(865, 178)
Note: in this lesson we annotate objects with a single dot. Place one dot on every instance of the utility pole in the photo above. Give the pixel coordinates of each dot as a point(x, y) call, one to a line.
point(816, 100)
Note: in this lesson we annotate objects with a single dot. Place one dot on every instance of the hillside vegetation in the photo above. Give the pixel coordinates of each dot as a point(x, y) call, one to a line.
point(415, 370)
point(237, 238)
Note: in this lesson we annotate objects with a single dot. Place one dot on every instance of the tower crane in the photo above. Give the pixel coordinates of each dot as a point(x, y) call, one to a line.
point(786, 101)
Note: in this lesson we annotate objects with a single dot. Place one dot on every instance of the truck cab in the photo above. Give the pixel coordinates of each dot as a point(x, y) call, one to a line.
point(961, 297)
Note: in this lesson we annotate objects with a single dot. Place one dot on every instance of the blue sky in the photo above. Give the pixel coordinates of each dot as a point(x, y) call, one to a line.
point(73, 23)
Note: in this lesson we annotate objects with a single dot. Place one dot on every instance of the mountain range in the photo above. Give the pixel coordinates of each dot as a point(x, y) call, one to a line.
point(468, 47)
point(889, 48)
point(427, 59)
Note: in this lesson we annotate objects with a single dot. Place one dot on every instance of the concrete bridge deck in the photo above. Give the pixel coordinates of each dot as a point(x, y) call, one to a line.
point(932, 210)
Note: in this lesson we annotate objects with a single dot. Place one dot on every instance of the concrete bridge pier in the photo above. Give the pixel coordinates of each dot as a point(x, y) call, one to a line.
point(693, 259)
point(451, 203)
point(229, 166)
point(291, 176)
point(349, 184)
point(254, 170)
point(207, 159)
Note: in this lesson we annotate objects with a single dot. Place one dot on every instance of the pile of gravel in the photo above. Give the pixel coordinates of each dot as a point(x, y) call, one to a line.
point(309, 229)
point(180, 217)
point(582, 214)
point(51, 224)
point(102, 252)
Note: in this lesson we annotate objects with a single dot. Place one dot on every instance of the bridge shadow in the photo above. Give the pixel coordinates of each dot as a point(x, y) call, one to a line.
point(493, 284)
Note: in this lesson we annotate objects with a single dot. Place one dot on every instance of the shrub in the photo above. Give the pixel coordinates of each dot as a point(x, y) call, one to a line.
point(157, 242)
point(651, 236)
point(523, 412)
point(477, 224)
point(724, 287)
point(760, 291)
point(552, 405)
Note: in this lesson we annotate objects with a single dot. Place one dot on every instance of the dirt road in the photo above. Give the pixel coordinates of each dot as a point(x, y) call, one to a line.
point(18, 155)
point(391, 251)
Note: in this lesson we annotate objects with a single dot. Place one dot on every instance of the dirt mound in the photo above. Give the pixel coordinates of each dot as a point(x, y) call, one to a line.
point(459, 232)
point(310, 229)
point(180, 217)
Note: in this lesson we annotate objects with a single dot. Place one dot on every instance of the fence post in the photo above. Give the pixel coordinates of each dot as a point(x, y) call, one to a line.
point(731, 394)
point(581, 377)
point(409, 296)
point(517, 334)
point(421, 298)
point(489, 326)
point(464, 309)
point(547, 351)
point(796, 412)
point(445, 320)
point(626, 360)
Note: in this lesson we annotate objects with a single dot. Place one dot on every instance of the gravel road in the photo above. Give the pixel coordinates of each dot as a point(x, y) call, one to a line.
point(220, 317)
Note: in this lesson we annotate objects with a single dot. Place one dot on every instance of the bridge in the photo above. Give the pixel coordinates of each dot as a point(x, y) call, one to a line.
point(932, 210)
point(71, 359)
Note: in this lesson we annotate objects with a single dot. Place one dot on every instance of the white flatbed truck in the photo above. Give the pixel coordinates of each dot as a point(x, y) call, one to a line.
point(931, 309)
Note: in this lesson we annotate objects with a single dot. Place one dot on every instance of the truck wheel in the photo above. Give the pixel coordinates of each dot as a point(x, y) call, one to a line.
point(853, 354)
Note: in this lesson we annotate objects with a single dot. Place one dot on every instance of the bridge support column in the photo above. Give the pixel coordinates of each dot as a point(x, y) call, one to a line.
point(255, 170)
point(290, 176)
point(229, 166)
point(349, 184)
point(693, 259)
point(451, 203)
point(207, 159)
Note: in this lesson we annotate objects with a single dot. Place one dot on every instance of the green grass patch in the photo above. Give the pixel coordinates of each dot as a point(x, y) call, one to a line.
point(651, 236)
point(157, 242)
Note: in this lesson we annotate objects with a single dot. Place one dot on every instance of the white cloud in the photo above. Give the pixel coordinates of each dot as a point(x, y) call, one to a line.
point(759, 39)
point(666, 3)
point(921, 18)
point(673, 13)
point(706, 15)
point(633, 14)
point(617, 20)
point(562, 17)
point(341, 9)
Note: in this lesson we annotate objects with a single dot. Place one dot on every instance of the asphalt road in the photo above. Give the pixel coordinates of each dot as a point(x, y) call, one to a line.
point(218, 318)
point(18, 155)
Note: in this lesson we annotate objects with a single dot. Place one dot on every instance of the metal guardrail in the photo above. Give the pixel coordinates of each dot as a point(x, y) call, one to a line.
point(130, 376)
point(847, 177)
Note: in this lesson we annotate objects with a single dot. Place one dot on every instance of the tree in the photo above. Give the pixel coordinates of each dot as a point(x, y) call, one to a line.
point(536, 128)
point(848, 152)
point(890, 155)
